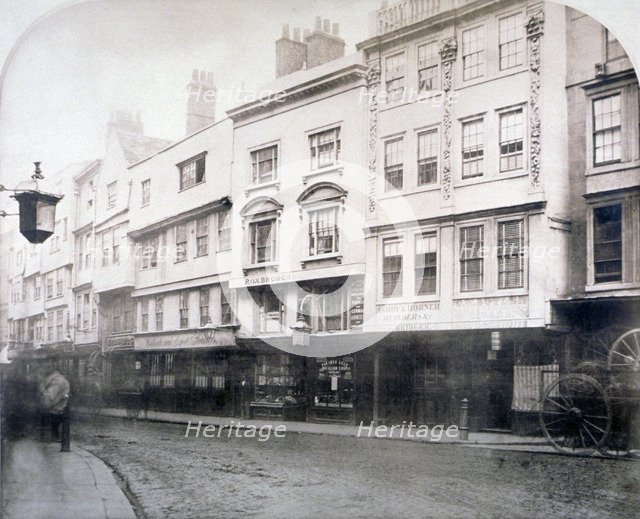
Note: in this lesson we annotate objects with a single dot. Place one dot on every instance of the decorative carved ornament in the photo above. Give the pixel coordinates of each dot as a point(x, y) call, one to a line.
point(448, 53)
point(534, 27)
point(373, 80)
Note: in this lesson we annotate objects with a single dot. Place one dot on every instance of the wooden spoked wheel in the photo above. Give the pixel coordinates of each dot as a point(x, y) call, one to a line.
point(624, 361)
point(575, 415)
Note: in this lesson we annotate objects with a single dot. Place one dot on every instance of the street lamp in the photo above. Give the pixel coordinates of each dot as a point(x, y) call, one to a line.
point(301, 330)
point(37, 208)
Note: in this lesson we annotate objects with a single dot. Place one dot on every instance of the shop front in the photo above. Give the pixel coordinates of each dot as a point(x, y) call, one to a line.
point(187, 371)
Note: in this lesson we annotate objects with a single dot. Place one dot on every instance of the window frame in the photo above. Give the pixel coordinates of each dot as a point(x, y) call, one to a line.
point(481, 158)
point(419, 133)
point(145, 192)
point(199, 171)
point(481, 256)
point(183, 308)
point(181, 236)
point(315, 209)
point(520, 23)
point(254, 163)
point(272, 238)
point(398, 290)
point(112, 194)
point(202, 236)
point(599, 98)
point(503, 112)
point(336, 150)
point(591, 243)
point(224, 233)
point(435, 64)
point(481, 65)
point(428, 233)
point(395, 94)
point(398, 167)
point(522, 253)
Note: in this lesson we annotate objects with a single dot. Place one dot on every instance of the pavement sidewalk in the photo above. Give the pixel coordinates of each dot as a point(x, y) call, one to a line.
point(39, 481)
point(476, 439)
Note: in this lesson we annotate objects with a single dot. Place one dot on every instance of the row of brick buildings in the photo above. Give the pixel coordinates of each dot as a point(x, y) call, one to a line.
point(453, 211)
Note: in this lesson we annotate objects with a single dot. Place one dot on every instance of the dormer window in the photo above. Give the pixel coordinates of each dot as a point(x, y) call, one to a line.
point(192, 172)
point(325, 148)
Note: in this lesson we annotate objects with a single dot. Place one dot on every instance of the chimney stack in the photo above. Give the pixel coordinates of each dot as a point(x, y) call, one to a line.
point(316, 47)
point(201, 101)
point(127, 121)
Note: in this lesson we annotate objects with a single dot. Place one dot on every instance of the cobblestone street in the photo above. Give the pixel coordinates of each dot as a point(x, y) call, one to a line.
point(305, 475)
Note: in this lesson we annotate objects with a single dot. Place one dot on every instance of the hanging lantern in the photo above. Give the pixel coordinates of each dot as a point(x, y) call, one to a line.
point(496, 344)
point(301, 331)
point(37, 209)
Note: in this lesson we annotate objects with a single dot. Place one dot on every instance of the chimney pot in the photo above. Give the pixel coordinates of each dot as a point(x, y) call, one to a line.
point(285, 31)
point(318, 24)
point(335, 30)
point(296, 33)
point(306, 33)
point(326, 25)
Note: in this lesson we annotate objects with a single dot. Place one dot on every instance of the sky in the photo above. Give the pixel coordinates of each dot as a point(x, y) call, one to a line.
point(80, 61)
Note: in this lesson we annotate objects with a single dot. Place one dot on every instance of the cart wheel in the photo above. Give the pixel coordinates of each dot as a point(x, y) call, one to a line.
point(624, 361)
point(575, 415)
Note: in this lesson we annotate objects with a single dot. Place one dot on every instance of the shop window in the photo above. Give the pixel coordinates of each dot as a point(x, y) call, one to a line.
point(334, 385)
point(277, 380)
point(607, 243)
point(430, 372)
point(209, 372)
point(162, 370)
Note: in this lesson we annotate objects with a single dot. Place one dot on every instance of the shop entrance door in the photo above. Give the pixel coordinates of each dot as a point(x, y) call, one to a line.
point(431, 403)
point(500, 378)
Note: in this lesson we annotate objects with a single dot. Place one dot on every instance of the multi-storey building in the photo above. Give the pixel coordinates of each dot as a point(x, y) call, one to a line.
point(603, 299)
point(40, 280)
point(180, 214)
point(299, 193)
point(372, 237)
point(465, 202)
